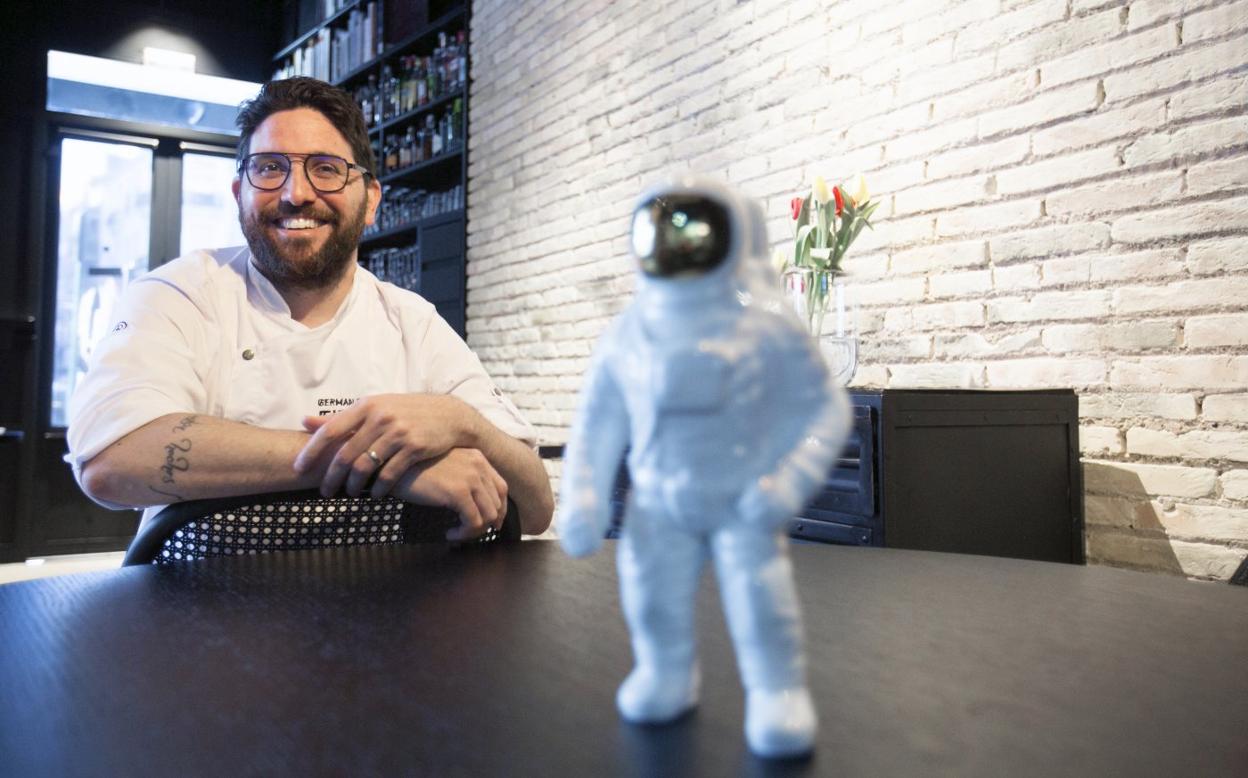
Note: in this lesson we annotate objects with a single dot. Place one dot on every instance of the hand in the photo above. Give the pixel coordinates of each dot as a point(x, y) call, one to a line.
point(400, 430)
point(463, 480)
point(579, 538)
point(761, 505)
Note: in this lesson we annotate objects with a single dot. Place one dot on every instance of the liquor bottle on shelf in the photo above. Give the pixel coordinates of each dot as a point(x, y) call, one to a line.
point(431, 77)
point(368, 103)
point(455, 126)
point(435, 137)
point(392, 154)
point(409, 144)
point(422, 82)
point(461, 60)
point(409, 84)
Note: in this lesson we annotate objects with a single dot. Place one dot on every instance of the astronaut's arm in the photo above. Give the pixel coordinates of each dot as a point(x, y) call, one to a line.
point(591, 459)
point(780, 494)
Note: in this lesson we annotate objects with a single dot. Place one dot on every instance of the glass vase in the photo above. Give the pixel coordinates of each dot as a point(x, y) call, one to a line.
point(820, 296)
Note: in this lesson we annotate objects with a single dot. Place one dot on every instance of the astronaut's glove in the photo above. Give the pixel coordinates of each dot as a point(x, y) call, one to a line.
point(765, 505)
point(579, 538)
point(581, 522)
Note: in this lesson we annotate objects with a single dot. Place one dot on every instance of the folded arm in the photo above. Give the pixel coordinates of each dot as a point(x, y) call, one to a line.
point(183, 456)
point(406, 432)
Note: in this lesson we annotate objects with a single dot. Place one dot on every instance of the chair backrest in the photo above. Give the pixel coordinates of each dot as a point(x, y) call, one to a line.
point(291, 521)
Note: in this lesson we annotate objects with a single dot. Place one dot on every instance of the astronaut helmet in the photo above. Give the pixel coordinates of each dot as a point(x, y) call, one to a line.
point(693, 228)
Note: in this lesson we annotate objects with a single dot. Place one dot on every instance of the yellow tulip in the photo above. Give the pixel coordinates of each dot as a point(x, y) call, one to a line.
point(819, 192)
point(779, 260)
point(857, 187)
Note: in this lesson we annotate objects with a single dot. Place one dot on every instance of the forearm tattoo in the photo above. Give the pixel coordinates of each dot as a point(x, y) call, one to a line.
point(176, 461)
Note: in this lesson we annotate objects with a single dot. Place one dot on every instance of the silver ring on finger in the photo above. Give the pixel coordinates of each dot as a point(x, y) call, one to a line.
point(377, 461)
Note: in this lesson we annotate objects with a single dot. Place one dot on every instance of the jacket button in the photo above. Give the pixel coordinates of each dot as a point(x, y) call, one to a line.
point(248, 354)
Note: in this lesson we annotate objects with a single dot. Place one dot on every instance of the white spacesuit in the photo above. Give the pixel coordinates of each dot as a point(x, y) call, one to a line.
point(732, 423)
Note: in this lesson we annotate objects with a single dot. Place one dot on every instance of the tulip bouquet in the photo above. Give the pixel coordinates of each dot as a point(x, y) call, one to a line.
point(826, 223)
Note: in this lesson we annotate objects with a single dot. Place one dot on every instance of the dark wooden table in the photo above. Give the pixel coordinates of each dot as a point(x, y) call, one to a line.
point(504, 661)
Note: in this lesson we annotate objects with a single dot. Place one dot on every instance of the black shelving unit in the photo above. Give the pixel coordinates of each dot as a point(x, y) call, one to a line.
point(433, 242)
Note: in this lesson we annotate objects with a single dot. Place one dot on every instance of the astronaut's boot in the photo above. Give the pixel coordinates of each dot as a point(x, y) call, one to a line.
point(653, 695)
point(780, 723)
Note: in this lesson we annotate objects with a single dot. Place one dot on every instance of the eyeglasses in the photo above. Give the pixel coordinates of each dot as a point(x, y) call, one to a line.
point(326, 173)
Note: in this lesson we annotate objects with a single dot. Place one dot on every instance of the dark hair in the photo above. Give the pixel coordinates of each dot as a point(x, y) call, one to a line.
point(301, 92)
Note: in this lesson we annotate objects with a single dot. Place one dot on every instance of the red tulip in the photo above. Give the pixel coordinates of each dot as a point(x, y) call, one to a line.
point(840, 199)
point(795, 207)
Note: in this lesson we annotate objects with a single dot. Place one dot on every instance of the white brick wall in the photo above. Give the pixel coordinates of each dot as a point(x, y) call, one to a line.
point(1064, 189)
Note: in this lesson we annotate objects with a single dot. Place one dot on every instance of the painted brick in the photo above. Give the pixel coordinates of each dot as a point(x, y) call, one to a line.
point(1066, 271)
point(1195, 65)
point(1204, 293)
point(1234, 485)
point(1045, 372)
point(1100, 441)
point(1013, 278)
point(989, 33)
point(1128, 549)
point(1195, 445)
point(1048, 241)
point(892, 292)
point(1073, 34)
point(1127, 336)
point(986, 218)
point(941, 196)
point(908, 348)
point(936, 375)
point(1117, 511)
point(1104, 125)
point(1225, 407)
point(1219, 175)
point(1211, 331)
point(1133, 480)
point(1188, 219)
point(1057, 171)
point(939, 256)
point(980, 344)
point(1109, 56)
point(947, 315)
point(1197, 139)
point(1119, 194)
point(1044, 108)
point(1050, 306)
point(1215, 22)
point(975, 282)
point(1180, 372)
point(1146, 13)
point(1216, 96)
point(1204, 522)
point(1130, 405)
point(1135, 265)
point(1213, 257)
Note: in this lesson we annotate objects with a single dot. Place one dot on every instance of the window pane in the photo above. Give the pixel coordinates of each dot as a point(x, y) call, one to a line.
point(209, 213)
point(103, 243)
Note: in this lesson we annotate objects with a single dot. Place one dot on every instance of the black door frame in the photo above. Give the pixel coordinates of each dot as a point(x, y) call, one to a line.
point(34, 521)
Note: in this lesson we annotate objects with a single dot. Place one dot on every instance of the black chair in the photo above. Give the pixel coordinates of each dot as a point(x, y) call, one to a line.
point(292, 521)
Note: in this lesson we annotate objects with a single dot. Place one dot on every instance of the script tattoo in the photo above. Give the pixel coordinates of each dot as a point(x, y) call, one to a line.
point(176, 460)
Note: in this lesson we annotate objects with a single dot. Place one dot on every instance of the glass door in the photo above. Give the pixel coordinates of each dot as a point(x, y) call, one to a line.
point(104, 234)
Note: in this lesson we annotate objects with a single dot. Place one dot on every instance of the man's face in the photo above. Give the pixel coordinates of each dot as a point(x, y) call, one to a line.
point(302, 238)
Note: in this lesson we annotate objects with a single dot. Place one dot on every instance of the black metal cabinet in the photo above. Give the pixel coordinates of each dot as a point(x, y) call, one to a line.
point(979, 472)
point(972, 472)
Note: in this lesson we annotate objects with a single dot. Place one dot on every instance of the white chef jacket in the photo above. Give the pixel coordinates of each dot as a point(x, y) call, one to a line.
point(207, 333)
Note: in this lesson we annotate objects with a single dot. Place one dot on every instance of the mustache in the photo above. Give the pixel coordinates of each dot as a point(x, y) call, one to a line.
point(286, 210)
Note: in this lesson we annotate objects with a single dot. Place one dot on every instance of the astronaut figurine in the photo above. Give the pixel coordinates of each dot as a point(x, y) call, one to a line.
point(732, 423)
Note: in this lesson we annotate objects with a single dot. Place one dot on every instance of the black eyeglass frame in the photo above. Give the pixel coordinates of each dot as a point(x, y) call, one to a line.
point(245, 171)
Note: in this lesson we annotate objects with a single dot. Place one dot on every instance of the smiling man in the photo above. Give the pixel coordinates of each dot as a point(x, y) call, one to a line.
point(285, 365)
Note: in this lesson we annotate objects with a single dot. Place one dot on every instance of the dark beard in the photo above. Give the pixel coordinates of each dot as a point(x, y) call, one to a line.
point(317, 271)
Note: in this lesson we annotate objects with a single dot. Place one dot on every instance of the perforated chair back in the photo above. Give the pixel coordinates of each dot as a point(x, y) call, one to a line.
point(292, 521)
